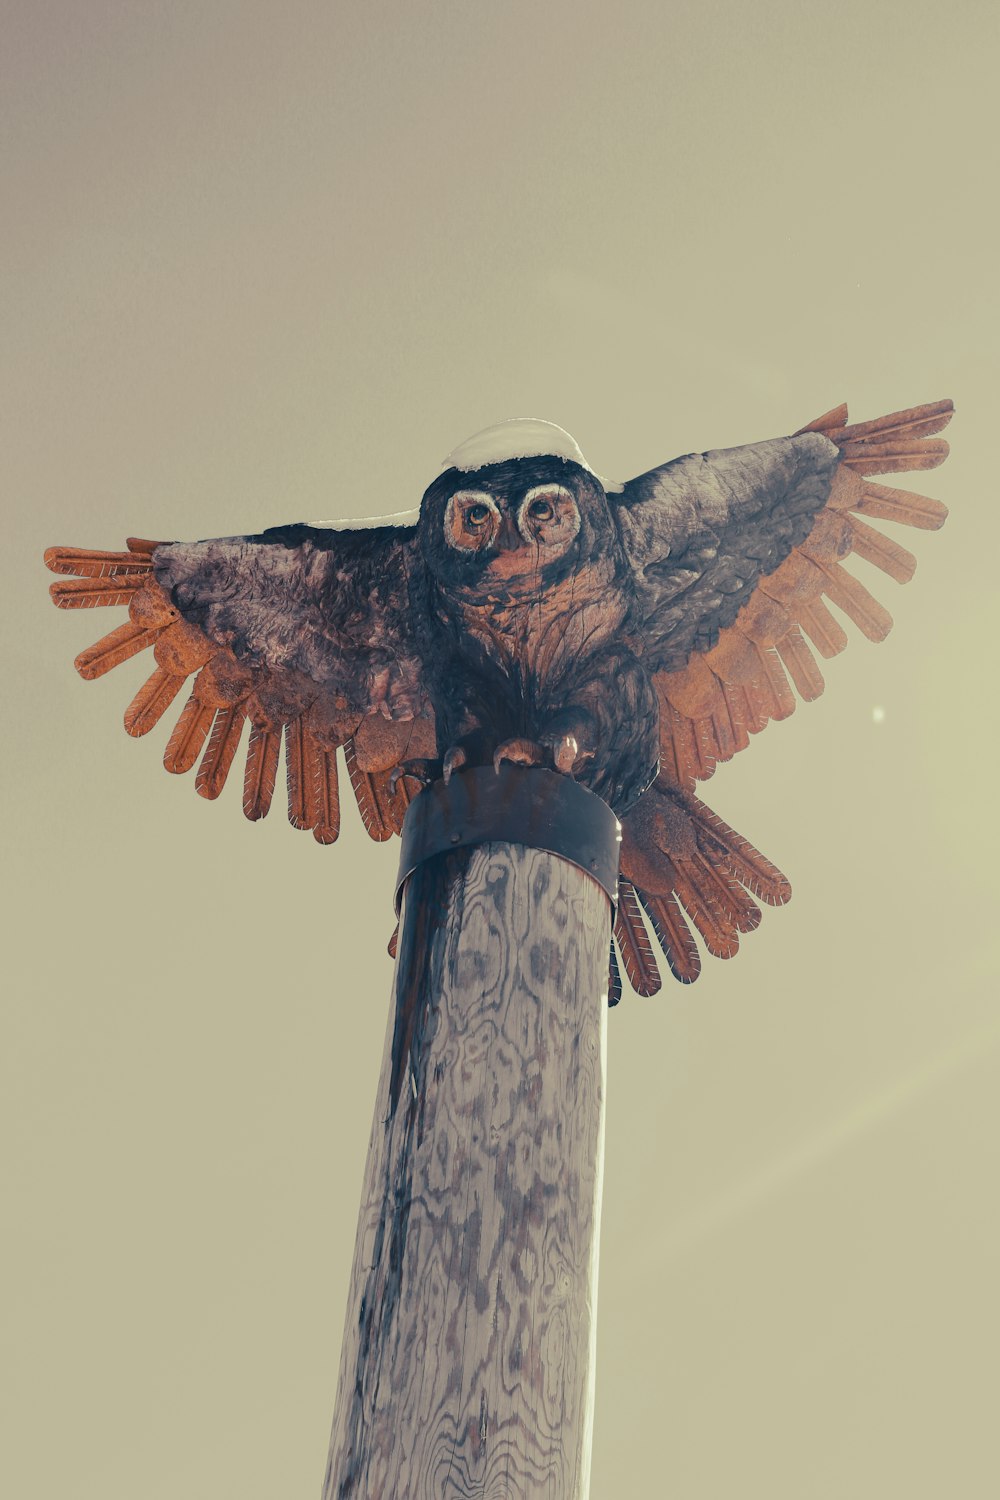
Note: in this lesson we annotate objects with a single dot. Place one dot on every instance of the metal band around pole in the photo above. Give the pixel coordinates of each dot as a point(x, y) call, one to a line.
point(515, 805)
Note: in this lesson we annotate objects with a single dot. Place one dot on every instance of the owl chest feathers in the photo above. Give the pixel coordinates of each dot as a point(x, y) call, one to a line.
point(535, 629)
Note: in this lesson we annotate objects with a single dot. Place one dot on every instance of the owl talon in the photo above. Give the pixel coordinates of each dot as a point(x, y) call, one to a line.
point(424, 771)
point(519, 753)
point(562, 752)
point(565, 754)
point(454, 759)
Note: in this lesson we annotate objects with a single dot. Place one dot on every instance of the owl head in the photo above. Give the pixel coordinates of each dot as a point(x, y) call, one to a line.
point(518, 507)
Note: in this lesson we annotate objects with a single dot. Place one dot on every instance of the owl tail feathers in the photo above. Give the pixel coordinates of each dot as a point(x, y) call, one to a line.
point(684, 867)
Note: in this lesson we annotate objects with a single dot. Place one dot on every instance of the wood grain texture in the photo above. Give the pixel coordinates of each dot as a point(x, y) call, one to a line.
point(467, 1365)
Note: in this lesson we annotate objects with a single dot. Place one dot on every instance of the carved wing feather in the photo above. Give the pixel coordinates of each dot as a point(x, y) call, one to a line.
point(638, 958)
point(303, 633)
point(720, 696)
point(752, 650)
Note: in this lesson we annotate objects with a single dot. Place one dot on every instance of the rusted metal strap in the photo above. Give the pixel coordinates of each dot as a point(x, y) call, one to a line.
point(516, 805)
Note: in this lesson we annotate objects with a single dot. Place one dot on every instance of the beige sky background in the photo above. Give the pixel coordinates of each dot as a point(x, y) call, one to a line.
point(267, 262)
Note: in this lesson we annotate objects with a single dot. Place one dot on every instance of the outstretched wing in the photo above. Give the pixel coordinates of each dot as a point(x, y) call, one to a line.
point(303, 632)
point(736, 556)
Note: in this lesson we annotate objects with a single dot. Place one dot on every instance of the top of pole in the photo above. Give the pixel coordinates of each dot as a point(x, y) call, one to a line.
point(515, 805)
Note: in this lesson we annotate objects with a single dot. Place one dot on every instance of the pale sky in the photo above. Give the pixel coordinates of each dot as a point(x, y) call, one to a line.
point(267, 263)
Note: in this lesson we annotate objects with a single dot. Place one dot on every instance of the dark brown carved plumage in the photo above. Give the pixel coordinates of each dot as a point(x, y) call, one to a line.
point(634, 636)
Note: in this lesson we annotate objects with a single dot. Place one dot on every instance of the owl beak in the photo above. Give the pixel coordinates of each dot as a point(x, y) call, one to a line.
point(508, 538)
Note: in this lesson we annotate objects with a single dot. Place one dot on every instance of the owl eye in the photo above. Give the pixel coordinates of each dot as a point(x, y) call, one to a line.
point(476, 517)
point(471, 519)
point(549, 516)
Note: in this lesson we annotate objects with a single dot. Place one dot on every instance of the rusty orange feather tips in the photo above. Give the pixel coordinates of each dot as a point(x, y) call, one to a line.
point(151, 702)
point(632, 939)
point(113, 649)
point(915, 422)
point(220, 752)
point(81, 562)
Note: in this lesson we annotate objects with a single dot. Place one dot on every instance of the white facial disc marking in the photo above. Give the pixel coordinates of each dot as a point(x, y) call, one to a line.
point(546, 491)
point(461, 500)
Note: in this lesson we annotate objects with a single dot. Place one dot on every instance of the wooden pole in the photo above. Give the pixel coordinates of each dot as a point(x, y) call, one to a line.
point(467, 1365)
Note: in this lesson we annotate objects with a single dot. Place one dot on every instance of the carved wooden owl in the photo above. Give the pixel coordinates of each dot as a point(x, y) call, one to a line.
point(630, 635)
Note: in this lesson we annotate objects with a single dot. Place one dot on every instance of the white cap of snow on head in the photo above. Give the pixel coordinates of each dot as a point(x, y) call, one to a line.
point(518, 437)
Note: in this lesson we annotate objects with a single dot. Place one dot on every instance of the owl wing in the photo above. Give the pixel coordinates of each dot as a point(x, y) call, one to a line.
point(736, 556)
point(302, 632)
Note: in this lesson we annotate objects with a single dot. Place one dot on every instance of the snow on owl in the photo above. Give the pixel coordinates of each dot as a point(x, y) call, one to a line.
point(631, 636)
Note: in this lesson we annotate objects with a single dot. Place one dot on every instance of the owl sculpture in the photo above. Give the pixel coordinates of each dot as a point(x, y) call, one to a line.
point(631, 636)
